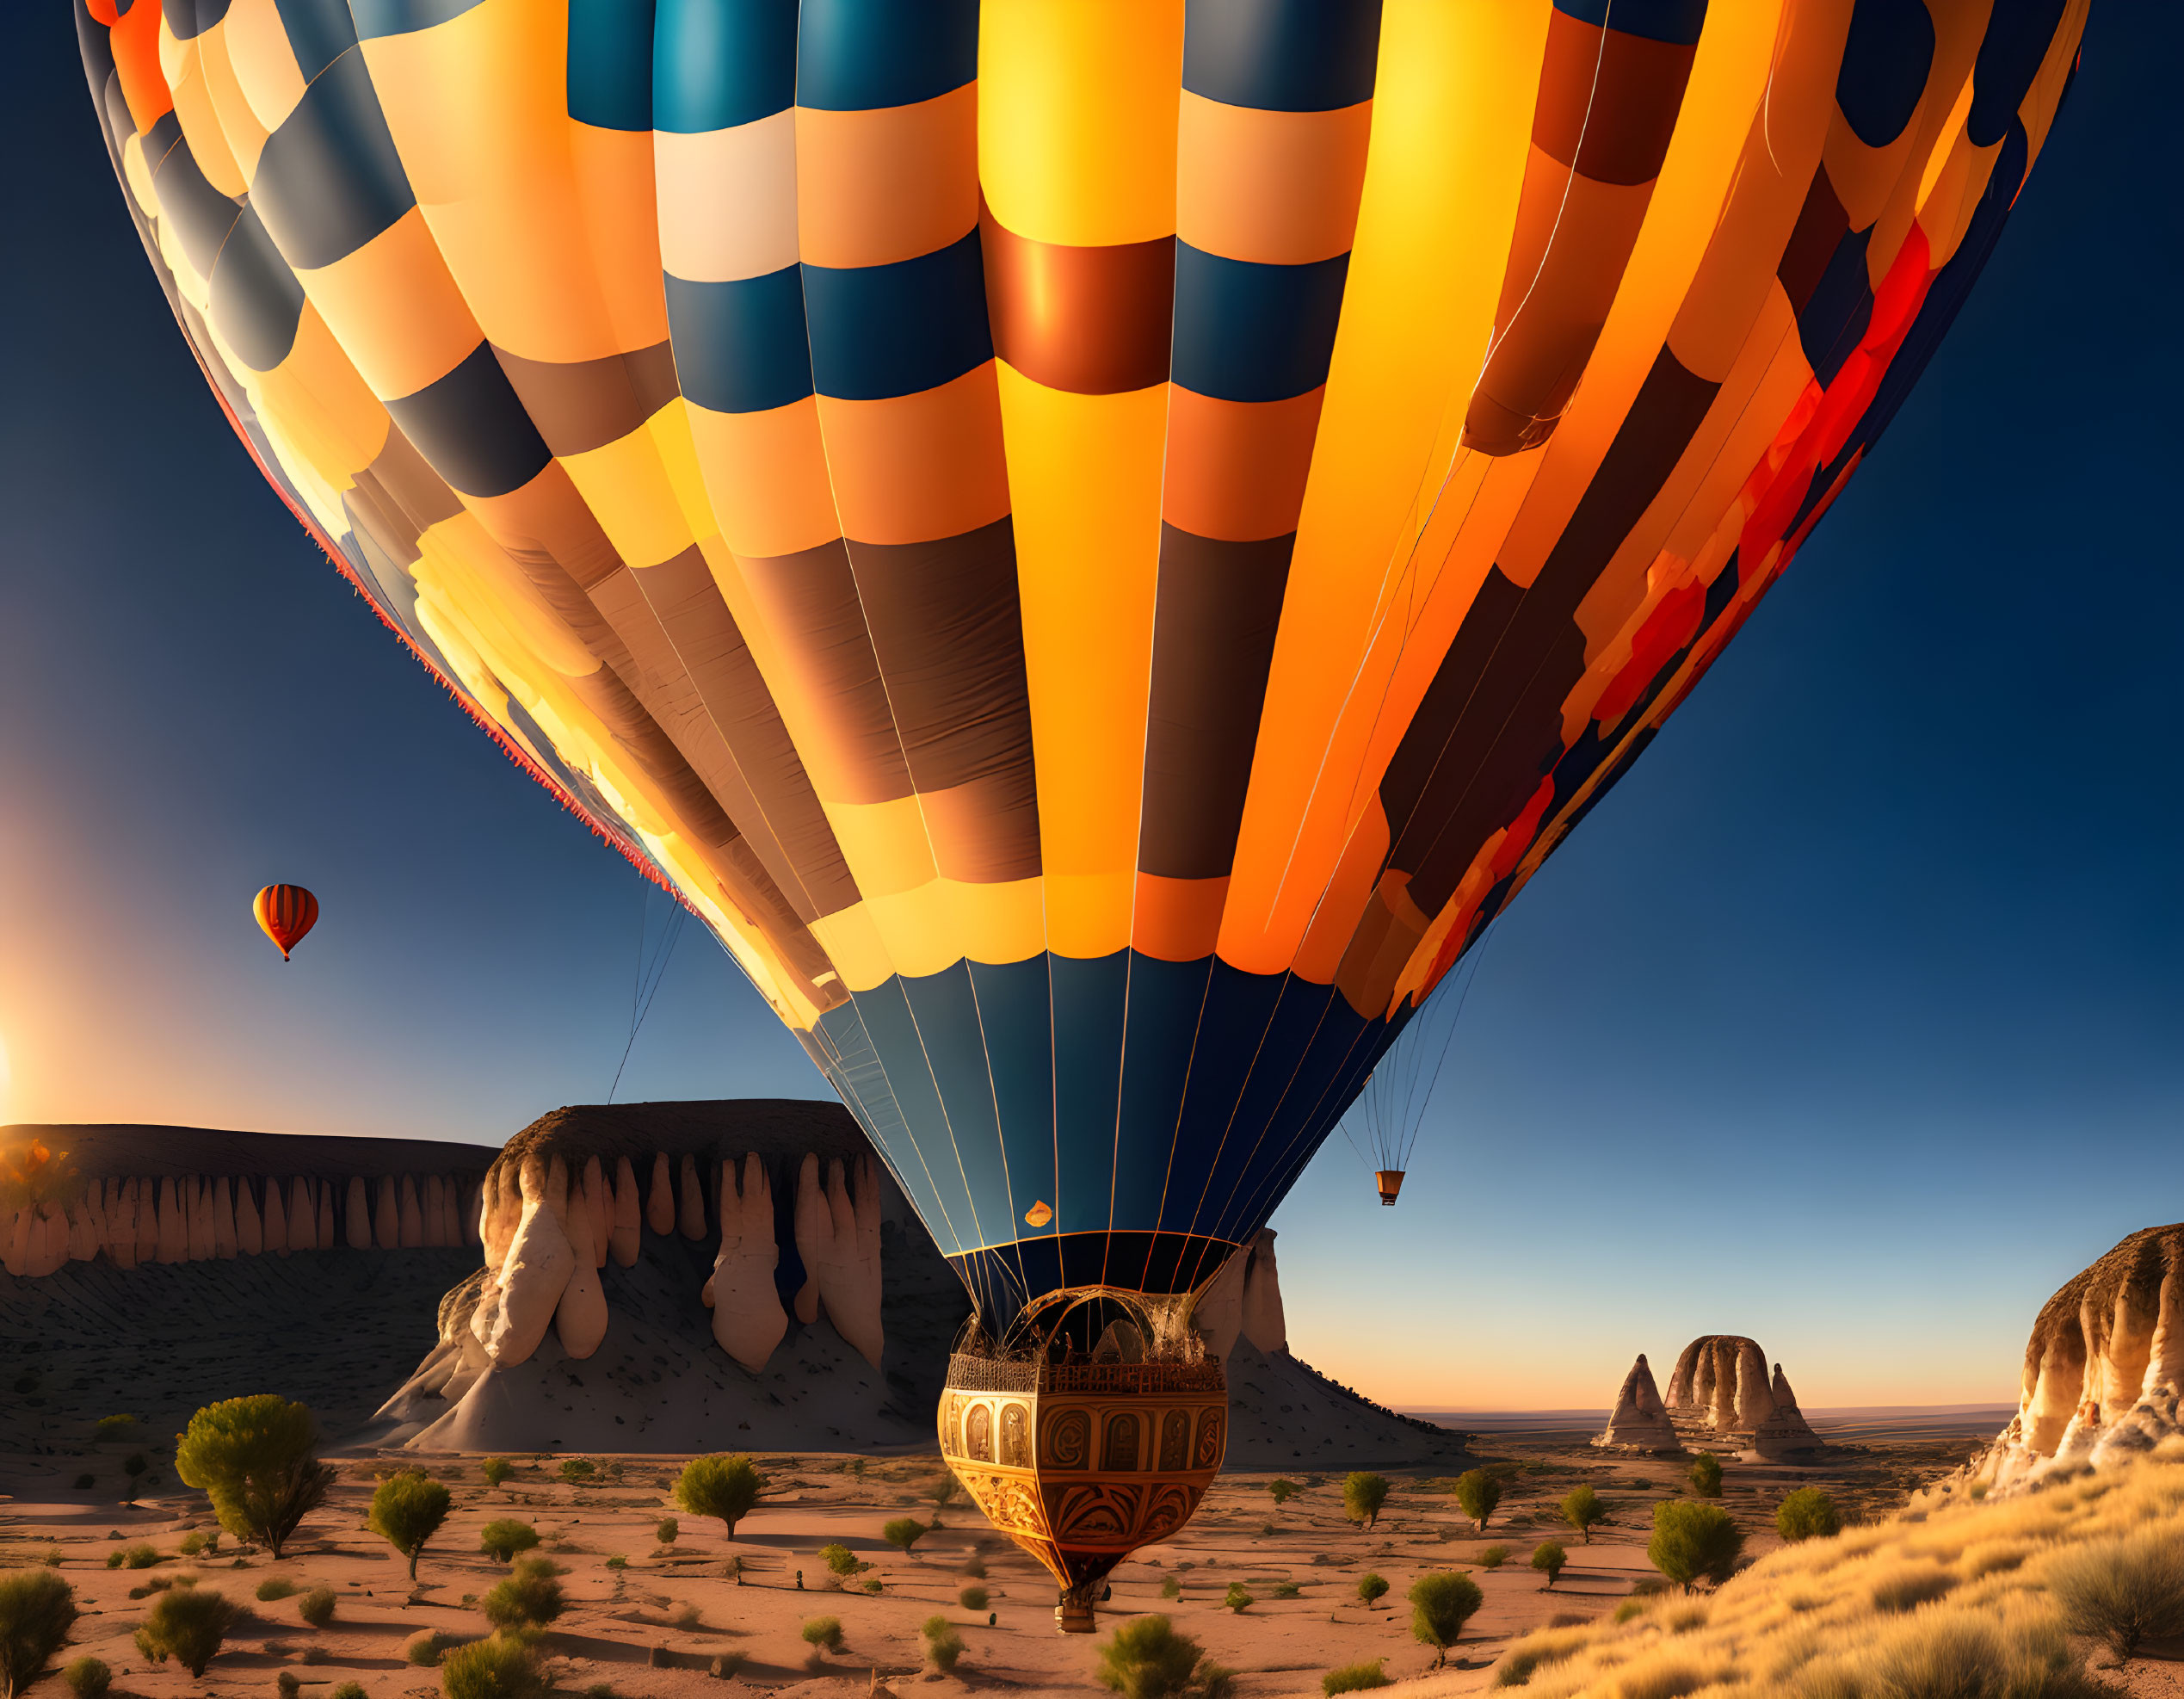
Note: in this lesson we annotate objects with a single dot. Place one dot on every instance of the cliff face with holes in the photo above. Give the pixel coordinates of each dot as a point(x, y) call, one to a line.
point(2104, 1368)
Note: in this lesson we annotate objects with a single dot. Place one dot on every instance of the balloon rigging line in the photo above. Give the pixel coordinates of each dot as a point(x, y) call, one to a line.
point(643, 991)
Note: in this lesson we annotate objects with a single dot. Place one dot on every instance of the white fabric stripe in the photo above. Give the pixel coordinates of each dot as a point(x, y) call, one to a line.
point(727, 200)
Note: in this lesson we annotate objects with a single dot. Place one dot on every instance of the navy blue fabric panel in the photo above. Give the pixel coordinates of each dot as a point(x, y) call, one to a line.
point(400, 17)
point(855, 55)
point(328, 179)
point(893, 1034)
point(1231, 1046)
point(1166, 999)
point(1719, 594)
point(863, 1086)
point(199, 214)
point(1841, 307)
point(189, 19)
point(953, 1042)
point(610, 64)
point(1090, 997)
point(472, 429)
point(1250, 332)
point(320, 31)
point(716, 63)
point(1281, 55)
point(879, 331)
point(2018, 34)
point(255, 299)
point(1018, 1019)
point(740, 346)
point(1885, 66)
point(1676, 20)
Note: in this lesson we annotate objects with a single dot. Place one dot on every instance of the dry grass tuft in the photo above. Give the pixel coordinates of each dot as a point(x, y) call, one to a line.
point(1905, 1587)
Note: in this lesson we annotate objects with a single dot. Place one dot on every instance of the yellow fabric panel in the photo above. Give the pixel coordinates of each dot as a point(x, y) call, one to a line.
point(1451, 117)
point(883, 842)
point(136, 172)
point(766, 476)
point(328, 411)
point(876, 187)
point(669, 429)
point(1076, 117)
point(264, 63)
point(1953, 141)
point(197, 114)
point(1279, 187)
point(853, 945)
point(462, 539)
point(944, 921)
point(1084, 474)
point(396, 309)
point(627, 488)
point(239, 123)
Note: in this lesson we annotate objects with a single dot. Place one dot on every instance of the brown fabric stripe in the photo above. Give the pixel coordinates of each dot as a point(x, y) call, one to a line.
point(1821, 225)
point(587, 403)
point(947, 632)
point(1215, 617)
point(1091, 321)
point(1608, 100)
point(809, 602)
point(401, 481)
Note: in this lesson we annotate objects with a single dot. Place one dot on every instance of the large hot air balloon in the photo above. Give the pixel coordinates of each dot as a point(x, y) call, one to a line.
point(284, 914)
point(1095, 546)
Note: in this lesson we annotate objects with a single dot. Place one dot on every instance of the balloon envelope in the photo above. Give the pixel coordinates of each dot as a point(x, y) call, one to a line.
point(1095, 546)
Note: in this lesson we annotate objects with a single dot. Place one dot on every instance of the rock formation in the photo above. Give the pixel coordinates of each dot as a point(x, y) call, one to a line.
point(748, 1320)
point(1640, 1421)
point(1721, 1390)
point(2104, 1367)
point(1783, 1432)
point(1264, 1323)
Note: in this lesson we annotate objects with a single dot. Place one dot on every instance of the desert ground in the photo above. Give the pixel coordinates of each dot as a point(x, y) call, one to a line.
point(647, 1619)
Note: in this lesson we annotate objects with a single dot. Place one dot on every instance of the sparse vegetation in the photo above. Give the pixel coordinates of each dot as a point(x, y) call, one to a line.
point(1356, 1677)
point(1583, 1509)
point(1147, 1659)
point(1239, 1598)
point(529, 1599)
point(275, 1588)
point(426, 1647)
point(257, 1458)
point(187, 1624)
point(578, 1471)
point(1477, 1492)
point(1171, 1588)
point(976, 1598)
point(1807, 1514)
point(1363, 1494)
point(495, 1470)
point(500, 1666)
point(1282, 1491)
point(88, 1678)
point(1706, 1476)
point(1693, 1543)
point(1491, 1557)
point(407, 1511)
point(839, 1559)
point(667, 1531)
point(194, 1543)
point(1442, 1602)
point(721, 1486)
point(823, 1634)
point(316, 1607)
point(349, 1689)
point(1549, 1558)
point(111, 1428)
point(37, 1609)
point(503, 1539)
point(943, 1646)
point(1371, 1589)
point(904, 1532)
point(2125, 1591)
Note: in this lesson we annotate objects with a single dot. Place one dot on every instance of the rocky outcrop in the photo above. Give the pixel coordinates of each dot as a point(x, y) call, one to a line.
point(1640, 1421)
point(748, 1320)
point(1783, 1432)
point(1264, 1323)
point(1722, 1391)
point(2104, 1368)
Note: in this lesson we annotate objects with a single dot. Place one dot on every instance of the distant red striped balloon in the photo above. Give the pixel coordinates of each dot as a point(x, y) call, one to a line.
point(286, 912)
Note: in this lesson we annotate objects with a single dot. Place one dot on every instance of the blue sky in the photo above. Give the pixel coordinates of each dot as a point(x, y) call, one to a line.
point(1851, 1020)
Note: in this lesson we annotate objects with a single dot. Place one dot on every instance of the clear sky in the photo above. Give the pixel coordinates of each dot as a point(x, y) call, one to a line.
point(1851, 1020)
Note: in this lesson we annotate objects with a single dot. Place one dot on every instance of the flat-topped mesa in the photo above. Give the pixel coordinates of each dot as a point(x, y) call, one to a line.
point(2104, 1368)
point(1640, 1421)
point(138, 1194)
point(1721, 1390)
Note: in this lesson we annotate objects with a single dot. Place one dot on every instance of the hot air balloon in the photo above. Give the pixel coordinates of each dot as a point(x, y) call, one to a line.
point(1095, 546)
point(285, 913)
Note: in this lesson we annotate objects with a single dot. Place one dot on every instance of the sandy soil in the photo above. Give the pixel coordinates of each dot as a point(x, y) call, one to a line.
point(620, 1626)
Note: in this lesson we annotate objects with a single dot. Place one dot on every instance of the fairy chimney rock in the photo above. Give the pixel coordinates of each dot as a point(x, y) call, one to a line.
point(1640, 1421)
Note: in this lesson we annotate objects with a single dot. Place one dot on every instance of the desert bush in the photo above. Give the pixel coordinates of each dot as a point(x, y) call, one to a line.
point(667, 1531)
point(1693, 1543)
point(972, 1598)
point(1239, 1598)
point(1905, 1587)
point(1362, 1495)
point(974, 1566)
point(720, 1486)
point(88, 1678)
point(1548, 1558)
point(407, 1511)
point(578, 1471)
point(823, 1634)
point(1371, 1589)
point(111, 1428)
point(839, 1559)
point(501, 1666)
point(425, 1648)
point(529, 1599)
point(904, 1532)
point(1171, 1588)
point(2124, 1591)
point(191, 1544)
point(943, 1646)
point(495, 1470)
point(1706, 1476)
point(871, 1583)
point(1354, 1677)
point(1961, 1655)
point(1807, 1514)
point(312, 1654)
point(37, 1609)
point(1282, 1491)
point(275, 1588)
point(287, 1684)
point(1491, 1557)
point(1583, 1509)
point(504, 1538)
point(349, 1689)
point(1477, 1492)
point(257, 1458)
point(1287, 1590)
point(1147, 1659)
point(188, 1625)
point(316, 1607)
point(1442, 1602)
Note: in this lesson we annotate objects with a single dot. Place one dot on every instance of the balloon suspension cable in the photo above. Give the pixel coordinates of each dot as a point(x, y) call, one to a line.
point(645, 984)
point(1391, 1106)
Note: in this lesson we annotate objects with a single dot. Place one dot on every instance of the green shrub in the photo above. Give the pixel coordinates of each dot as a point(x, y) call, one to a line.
point(275, 1588)
point(1362, 1495)
point(972, 1598)
point(1171, 1588)
point(1371, 1589)
point(1354, 1677)
point(1492, 1557)
point(1693, 1543)
point(503, 1539)
point(943, 1646)
point(974, 1566)
point(88, 1678)
point(495, 1470)
point(720, 1485)
point(871, 1583)
point(111, 1428)
point(139, 1556)
point(37, 1609)
point(1807, 1514)
point(349, 1689)
point(1441, 1604)
point(287, 1684)
point(316, 1607)
point(1548, 1558)
point(839, 1559)
point(667, 1531)
point(425, 1648)
point(1287, 1590)
point(192, 1544)
point(1478, 1492)
point(903, 1532)
point(1627, 1610)
point(1706, 1476)
point(1147, 1659)
point(618, 1562)
point(578, 1470)
point(407, 1510)
point(1583, 1509)
point(529, 1599)
point(1283, 1491)
point(501, 1666)
point(823, 1634)
point(187, 1624)
point(257, 1460)
point(1239, 1598)
point(2124, 1591)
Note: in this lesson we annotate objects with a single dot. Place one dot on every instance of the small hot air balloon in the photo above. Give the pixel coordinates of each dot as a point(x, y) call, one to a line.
point(286, 912)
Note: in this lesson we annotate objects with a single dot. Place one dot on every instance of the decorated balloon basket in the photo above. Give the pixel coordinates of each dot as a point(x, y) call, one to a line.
point(1082, 1456)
